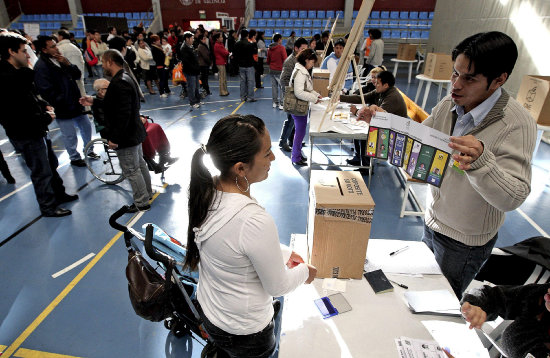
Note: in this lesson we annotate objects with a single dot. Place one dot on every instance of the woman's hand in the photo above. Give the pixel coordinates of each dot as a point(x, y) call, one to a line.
point(294, 260)
point(86, 100)
point(353, 109)
point(312, 273)
point(474, 314)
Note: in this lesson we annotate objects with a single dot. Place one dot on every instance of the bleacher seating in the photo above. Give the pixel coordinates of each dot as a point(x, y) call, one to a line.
point(285, 14)
point(394, 15)
point(266, 14)
point(302, 14)
point(257, 14)
point(278, 23)
point(293, 14)
point(375, 14)
point(340, 14)
point(320, 14)
point(262, 23)
point(311, 14)
point(423, 15)
point(253, 23)
point(317, 23)
point(404, 15)
point(308, 23)
point(384, 14)
point(298, 23)
point(330, 14)
point(275, 14)
point(270, 23)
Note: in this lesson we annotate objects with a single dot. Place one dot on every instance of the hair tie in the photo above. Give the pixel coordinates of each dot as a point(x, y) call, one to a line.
point(203, 147)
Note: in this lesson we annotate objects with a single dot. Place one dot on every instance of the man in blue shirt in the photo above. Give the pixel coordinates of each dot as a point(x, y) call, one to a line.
point(331, 62)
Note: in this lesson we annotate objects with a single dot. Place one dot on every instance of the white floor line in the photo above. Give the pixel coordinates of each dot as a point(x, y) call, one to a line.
point(533, 224)
point(15, 191)
point(72, 266)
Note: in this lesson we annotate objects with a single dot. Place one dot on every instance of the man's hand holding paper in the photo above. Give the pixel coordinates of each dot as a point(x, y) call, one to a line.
point(469, 148)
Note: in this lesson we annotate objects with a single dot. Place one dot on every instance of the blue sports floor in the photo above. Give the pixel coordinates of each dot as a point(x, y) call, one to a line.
point(85, 311)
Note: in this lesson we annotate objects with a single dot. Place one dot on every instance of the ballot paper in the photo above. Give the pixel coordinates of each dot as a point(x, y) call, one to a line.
point(416, 259)
point(440, 302)
point(457, 339)
point(418, 348)
point(334, 284)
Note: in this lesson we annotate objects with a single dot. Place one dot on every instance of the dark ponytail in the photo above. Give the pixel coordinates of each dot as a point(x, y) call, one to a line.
point(234, 138)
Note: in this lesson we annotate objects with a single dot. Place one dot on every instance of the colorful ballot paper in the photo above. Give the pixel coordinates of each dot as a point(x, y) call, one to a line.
point(421, 151)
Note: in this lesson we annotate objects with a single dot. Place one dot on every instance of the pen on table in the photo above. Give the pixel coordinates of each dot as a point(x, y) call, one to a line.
point(400, 284)
point(398, 251)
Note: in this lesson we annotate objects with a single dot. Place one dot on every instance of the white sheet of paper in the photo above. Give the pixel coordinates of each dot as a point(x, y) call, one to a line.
point(457, 339)
point(417, 259)
point(432, 301)
point(334, 284)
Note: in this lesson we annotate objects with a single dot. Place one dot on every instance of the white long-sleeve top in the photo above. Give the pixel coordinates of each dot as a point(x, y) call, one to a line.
point(242, 265)
point(73, 54)
point(303, 84)
point(145, 57)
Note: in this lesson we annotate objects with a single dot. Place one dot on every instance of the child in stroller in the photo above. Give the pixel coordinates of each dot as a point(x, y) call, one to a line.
point(156, 141)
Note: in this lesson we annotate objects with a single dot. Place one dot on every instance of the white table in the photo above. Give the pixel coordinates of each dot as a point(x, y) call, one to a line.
point(429, 82)
point(398, 61)
point(368, 330)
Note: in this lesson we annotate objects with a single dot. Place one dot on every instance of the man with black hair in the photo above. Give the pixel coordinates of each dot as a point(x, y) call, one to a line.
point(276, 56)
point(492, 138)
point(56, 79)
point(112, 32)
point(124, 46)
point(26, 118)
point(385, 96)
point(124, 129)
point(324, 41)
point(244, 55)
point(98, 48)
point(331, 62)
point(191, 69)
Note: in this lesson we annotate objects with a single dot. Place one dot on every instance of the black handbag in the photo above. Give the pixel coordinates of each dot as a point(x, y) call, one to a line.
point(148, 290)
point(291, 104)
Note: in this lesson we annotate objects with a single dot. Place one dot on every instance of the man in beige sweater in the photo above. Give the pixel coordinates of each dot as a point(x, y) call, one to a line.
point(493, 138)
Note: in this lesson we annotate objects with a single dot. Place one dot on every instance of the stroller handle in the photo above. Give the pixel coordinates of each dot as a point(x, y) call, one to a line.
point(152, 252)
point(112, 220)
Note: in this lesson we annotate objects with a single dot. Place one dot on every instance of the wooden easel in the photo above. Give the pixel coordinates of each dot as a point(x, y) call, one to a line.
point(329, 38)
point(339, 77)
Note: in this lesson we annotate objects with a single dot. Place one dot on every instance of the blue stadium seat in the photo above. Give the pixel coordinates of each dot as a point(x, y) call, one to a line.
point(43, 17)
point(278, 31)
point(105, 14)
point(136, 16)
point(270, 23)
point(386, 34)
point(275, 14)
point(321, 14)
point(280, 23)
point(80, 26)
point(302, 14)
point(355, 13)
point(393, 24)
point(365, 33)
point(267, 42)
point(268, 33)
point(431, 15)
point(262, 23)
point(266, 14)
point(284, 41)
point(285, 14)
point(293, 14)
point(298, 23)
point(311, 14)
point(258, 14)
point(394, 15)
point(119, 14)
point(56, 25)
point(35, 17)
point(56, 17)
point(404, 34)
point(128, 15)
point(112, 14)
point(415, 34)
point(413, 24)
point(413, 15)
point(289, 23)
point(340, 14)
point(395, 34)
point(429, 23)
point(306, 33)
point(423, 15)
point(422, 24)
point(316, 31)
point(384, 23)
point(330, 14)
point(253, 23)
point(98, 14)
point(425, 35)
point(66, 17)
point(23, 17)
point(384, 14)
point(298, 32)
point(286, 32)
point(404, 15)
point(79, 34)
point(374, 15)
point(317, 23)
point(308, 23)
point(374, 23)
point(49, 17)
point(147, 23)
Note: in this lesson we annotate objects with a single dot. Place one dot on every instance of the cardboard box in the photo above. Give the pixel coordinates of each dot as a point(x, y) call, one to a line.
point(340, 216)
point(321, 80)
point(534, 95)
point(406, 52)
point(438, 66)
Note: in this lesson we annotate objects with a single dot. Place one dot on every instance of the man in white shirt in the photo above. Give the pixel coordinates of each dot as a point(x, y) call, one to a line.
point(73, 54)
point(331, 62)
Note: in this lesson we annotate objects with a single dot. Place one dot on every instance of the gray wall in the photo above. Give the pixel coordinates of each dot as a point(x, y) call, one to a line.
point(525, 21)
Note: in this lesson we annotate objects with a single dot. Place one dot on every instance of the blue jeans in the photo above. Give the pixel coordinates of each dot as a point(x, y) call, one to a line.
point(459, 263)
point(247, 82)
point(42, 162)
point(97, 70)
point(68, 133)
point(276, 90)
point(288, 126)
point(135, 170)
point(193, 89)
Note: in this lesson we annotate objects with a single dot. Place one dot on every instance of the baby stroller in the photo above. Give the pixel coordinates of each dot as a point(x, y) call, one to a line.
point(170, 297)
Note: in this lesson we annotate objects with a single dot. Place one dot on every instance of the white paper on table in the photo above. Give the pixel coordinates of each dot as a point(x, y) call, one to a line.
point(432, 301)
point(457, 339)
point(418, 348)
point(417, 259)
point(334, 284)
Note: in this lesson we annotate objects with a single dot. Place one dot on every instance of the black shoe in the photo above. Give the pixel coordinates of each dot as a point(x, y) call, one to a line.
point(59, 212)
point(134, 208)
point(301, 163)
point(354, 161)
point(303, 156)
point(78, 163)
point(223, 95)
point(304, 144)
point(290, 143)
point(169, 161)
point(260, 87)
point(252, 100)
point(93, 155)
point(9, 178)
point(66, 198)
point(285, 147)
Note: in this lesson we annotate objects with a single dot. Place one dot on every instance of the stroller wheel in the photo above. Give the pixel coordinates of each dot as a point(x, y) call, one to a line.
point(168, 322)
point(209, 351)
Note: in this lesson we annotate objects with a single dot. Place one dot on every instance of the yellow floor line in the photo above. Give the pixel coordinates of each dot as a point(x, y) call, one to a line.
point(236, 109)
point(42, 316)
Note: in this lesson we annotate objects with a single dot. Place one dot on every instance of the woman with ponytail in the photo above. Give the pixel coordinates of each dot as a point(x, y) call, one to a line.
point(234, 243)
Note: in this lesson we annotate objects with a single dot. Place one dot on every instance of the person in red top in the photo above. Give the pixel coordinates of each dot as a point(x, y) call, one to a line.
point(221, 54)
point(276, 56)
point(173, 39)
point(155, 143)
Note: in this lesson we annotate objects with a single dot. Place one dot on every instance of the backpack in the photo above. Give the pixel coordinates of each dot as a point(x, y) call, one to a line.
point(89, 57)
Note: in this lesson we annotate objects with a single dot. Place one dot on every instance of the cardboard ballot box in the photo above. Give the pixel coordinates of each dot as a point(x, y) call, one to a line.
point(340, 216)
point(406, 52)
point(438, 66)
point(534, 95)
point(321, 80)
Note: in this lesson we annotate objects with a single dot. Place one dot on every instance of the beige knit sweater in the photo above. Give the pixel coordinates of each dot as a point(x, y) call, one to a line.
point(470, 207)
